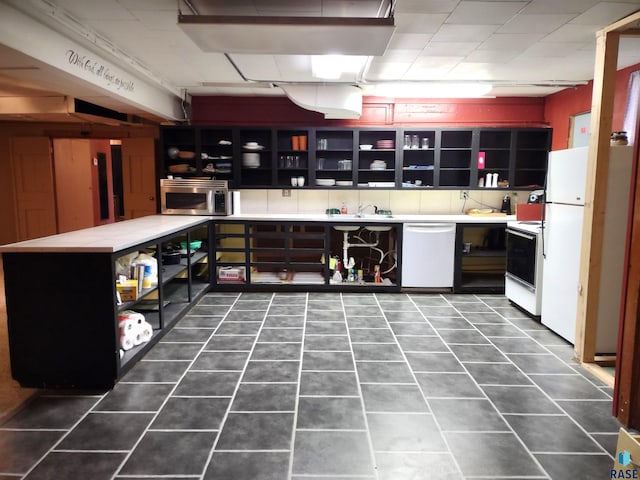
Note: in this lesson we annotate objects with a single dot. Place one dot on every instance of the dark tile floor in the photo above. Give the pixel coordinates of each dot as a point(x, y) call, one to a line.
point(331, 386)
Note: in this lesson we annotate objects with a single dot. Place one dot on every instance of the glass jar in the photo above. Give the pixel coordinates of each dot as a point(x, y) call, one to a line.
point(619, 138)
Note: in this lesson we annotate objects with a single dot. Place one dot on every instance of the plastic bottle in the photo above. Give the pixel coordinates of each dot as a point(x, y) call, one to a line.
point(343, 209)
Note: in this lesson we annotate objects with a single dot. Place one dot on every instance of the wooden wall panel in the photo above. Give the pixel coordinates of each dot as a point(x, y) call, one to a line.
point(280, 111)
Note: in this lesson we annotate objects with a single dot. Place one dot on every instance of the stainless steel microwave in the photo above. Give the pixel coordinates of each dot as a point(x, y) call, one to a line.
point(194, 197)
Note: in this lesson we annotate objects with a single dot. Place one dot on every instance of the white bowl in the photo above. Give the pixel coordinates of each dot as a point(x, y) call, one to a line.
point(366, 147)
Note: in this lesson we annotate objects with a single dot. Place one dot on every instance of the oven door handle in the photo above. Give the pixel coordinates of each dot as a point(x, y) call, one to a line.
point(521, 234)
point(526, 285)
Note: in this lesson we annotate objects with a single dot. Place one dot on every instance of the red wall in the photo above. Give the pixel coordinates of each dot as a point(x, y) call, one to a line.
point(554, 111)
point(561, 106)
point(280, 111)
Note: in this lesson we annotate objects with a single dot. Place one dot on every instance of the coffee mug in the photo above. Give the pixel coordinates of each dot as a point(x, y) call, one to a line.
point(294, 181)
point(301, 181)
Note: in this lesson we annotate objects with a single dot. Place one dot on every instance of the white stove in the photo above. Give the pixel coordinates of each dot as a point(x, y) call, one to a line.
point(523, 280)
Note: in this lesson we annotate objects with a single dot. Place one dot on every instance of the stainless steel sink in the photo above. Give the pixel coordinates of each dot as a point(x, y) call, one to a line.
point(378, 228)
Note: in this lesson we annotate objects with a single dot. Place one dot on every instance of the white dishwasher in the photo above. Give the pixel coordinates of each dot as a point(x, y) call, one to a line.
point(428, 251)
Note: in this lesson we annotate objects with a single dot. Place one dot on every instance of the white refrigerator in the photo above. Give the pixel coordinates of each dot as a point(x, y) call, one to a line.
point(562, 237)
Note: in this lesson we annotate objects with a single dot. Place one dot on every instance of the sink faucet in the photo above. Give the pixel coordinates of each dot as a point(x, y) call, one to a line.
point(361, 209)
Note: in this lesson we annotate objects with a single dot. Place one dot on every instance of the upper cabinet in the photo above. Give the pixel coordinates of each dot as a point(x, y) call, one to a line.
point(265, 157)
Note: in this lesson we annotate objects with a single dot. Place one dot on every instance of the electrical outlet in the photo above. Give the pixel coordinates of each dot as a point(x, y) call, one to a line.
point(464, 194)
point(286, 192)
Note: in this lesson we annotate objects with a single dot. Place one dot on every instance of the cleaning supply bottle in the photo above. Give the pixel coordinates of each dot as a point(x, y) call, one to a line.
point(343, 209)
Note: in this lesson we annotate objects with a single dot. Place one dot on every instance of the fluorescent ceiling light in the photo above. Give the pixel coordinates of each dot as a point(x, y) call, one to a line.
point(288, 35)
point(431, 90)
point(331, 67)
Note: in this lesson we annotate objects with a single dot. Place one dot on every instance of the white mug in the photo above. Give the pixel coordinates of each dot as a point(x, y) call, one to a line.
point(294, 181)
point(301, 181)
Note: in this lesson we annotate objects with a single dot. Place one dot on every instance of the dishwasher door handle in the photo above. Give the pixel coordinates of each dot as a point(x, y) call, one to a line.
point(430, 227)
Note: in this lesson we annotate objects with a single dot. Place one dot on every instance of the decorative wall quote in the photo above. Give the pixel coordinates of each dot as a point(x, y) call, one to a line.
point(87, 64)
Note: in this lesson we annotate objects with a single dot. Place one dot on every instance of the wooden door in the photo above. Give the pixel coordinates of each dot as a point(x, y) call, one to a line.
point(73, 165)
point(34, 186)
point(138, 177)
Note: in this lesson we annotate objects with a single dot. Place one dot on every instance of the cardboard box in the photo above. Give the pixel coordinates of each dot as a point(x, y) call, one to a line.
point(128, 291)
point(529, 211)
point(627, 459)
point(231, 274)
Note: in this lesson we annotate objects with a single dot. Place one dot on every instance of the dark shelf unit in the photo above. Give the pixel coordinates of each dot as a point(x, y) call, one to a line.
point(482, 269)
point(446, 158)
point(78, 344)
point(289, 255)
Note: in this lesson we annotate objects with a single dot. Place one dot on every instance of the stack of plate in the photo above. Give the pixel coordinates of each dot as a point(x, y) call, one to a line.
point(325, 182)
point(252, 146)
point(385, 144)
point(378, 165)
point(344, 183)
point(250, 160)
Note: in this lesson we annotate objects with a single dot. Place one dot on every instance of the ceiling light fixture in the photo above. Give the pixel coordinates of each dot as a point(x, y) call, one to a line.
point(288, 35)
point(331, 67)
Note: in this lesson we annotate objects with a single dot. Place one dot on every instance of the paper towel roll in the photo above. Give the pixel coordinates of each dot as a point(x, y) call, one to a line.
point(146, 331)
point(125, 327)
point(126, 342)
point(235, 198)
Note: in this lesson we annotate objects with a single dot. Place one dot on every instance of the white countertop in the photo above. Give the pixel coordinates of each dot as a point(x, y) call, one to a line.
point(350, 218)
point(119, 236)
point(108, 238)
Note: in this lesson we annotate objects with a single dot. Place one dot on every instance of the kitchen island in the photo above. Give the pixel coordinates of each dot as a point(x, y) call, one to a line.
point(63, 306)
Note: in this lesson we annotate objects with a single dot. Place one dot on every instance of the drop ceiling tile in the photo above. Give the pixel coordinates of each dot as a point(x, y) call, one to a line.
point(418, 22)
point(257, 67)
point(447, 49)
point(551, 49)
point(535, 23)
point(387, 70)
point(463, 33)
point(605, 13)
point(94, 10)
point(572, 33)
point(426, 6)
point(403, 41)
point(490, 56)
point(401, 55)
point(137, 5)
point(510, 41)
point(423, 73)
point(556, 6)
point(490, 13)
point(340, 8)
point(471, 71)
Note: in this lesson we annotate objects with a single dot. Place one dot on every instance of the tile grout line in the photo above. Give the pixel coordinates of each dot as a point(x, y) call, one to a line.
point(534, 384)
point(239, 382)
point(580, 427)
point(372, 453)
point(166, 400)
point(535, 460)
point(415, 379)
point(297, 396)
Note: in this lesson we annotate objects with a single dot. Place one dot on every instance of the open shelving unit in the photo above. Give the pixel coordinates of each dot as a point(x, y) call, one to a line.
point(446, 158)
point(482, 268)
point(77, 309)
